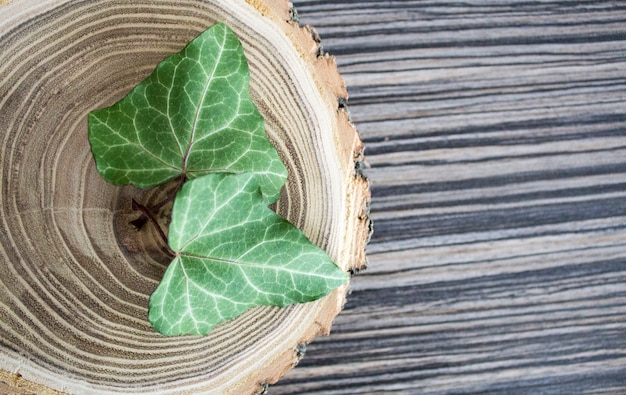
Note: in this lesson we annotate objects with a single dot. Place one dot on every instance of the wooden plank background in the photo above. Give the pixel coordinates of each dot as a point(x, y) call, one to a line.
point(496, 135)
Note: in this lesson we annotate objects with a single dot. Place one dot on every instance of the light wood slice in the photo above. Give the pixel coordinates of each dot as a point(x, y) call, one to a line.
point(74, 277)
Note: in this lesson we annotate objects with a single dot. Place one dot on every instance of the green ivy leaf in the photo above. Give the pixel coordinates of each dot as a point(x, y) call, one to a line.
point(233, 253)
point(193, 115)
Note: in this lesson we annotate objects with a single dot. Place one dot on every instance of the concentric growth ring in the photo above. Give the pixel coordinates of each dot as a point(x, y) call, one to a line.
point(74, 276)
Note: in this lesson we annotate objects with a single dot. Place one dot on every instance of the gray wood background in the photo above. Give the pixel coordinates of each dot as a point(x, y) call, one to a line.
point(496, 135)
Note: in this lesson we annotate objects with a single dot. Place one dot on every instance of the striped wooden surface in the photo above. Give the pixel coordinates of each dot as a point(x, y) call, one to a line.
point(496, 136)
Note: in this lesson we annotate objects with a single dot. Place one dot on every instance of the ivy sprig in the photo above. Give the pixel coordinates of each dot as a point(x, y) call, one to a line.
point(193, 118)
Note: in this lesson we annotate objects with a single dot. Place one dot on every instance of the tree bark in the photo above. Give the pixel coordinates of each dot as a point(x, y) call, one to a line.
point(75, 277)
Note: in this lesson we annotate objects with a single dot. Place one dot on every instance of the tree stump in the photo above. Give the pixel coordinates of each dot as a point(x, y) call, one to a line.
point(75, 277)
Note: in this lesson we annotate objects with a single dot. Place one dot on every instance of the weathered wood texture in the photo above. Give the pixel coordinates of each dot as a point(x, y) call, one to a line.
point(496, 134)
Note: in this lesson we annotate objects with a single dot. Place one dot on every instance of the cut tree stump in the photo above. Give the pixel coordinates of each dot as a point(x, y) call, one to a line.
point(75, 278)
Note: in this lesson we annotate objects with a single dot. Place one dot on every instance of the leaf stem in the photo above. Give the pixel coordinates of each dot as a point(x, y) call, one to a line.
point(141, 220)
point(148, 214)
point(172, 194)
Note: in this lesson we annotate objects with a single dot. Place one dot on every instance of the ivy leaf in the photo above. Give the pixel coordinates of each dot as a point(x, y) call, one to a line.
point(233, 253)
point(193, 116)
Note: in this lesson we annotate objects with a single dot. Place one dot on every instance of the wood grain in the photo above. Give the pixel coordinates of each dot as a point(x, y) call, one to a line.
point(74, 276)
point(496, 134)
